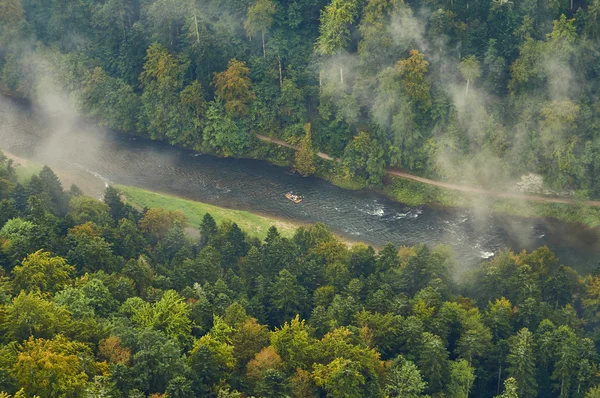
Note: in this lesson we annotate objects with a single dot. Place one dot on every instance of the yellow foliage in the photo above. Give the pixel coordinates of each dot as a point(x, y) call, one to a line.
point(88, 229)
point(112, 350)
point(54, 368)
point(43, 272)
point(234, 86)
point(157, 222)
point(264, 360)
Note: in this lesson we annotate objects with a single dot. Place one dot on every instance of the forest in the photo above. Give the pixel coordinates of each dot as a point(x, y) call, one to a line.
point(101, 299)
point(472, 91)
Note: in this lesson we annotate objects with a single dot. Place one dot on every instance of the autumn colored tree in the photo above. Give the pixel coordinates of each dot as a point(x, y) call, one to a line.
point(157, 222)
point(56, 367)
point(264, 360)
point(112, 350)
point(10, 12)
point(412, 71)
point(235, 88)
point(162, 80)
point(43, 272)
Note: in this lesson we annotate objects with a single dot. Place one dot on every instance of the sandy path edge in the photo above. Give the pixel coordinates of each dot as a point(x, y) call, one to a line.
point(454, 187)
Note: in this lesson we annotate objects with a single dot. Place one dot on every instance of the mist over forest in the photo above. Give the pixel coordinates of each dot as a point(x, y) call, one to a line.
point(105, 298)
point(478, 92)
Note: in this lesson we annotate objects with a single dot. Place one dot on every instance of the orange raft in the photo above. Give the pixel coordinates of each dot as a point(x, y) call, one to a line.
point(293, 197)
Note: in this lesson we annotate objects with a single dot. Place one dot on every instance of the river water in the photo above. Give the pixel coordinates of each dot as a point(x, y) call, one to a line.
point(58, 138)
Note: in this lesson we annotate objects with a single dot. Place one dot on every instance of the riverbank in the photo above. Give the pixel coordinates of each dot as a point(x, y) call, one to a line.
point(418, 193)
point(25, 168)
point(256, 225)
point(413, 190)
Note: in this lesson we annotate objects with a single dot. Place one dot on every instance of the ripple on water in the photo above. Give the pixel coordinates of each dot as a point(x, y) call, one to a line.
point(135, 161)
point(485, 254)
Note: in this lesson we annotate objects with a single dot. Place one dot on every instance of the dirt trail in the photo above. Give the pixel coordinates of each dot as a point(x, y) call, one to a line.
point(455, 187)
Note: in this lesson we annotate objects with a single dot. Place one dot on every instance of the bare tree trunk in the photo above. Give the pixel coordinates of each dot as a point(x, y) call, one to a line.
point(280, 75)
point(499, 378)
point(196, 23)
point(320, 78)
point(341, 75)
point(467, 87)
point(263, 43)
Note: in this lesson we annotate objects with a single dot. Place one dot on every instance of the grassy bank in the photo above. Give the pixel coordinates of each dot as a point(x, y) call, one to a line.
point(399, 189)
point(254, 224)
point(417, 193)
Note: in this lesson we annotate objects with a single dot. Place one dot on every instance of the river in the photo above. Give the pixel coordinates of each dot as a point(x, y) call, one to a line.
point(58, 138)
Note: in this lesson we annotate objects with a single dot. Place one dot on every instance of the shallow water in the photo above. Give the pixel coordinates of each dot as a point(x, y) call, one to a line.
point(92, 153)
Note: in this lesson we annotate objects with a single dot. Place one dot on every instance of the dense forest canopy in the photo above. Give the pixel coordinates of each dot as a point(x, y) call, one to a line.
point(478, 91)
point(100, 299)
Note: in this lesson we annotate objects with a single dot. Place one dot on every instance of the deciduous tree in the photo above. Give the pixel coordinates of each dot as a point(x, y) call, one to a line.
point(234, 86)
point(260, 19)
point(43, 272)
point(304, 161)
point(469, 69)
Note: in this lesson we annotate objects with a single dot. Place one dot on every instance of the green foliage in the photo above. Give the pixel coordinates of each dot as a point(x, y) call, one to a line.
point(30, 315)
point(404, 380)
point(221, 133)
point(340, 378)
point(510, 389)
point(521, 363)
point(461, 379)
point(84, 209)
point(18, 238)
point(334, 27)
point(170, 315)
point(363, 158)
point(53, 368)
point(40, 271)
point(192, 74)
point(470, 70)
point(303, 316)
point(304, 161)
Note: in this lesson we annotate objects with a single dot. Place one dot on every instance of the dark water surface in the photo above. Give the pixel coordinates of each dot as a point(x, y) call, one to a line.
point(59, 139)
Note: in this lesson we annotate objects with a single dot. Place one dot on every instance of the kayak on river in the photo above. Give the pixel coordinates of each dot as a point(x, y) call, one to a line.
point(293, 197)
